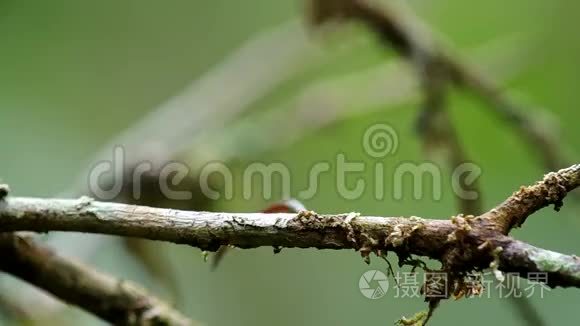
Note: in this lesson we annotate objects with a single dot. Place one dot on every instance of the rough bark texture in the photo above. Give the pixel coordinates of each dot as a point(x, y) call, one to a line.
point(527, 200)
point(116, 301)
point(462, 244)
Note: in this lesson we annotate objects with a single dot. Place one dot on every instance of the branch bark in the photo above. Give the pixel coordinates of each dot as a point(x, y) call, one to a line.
point(462, 244)
point(116, 301)
point(551, 190)
point(437, 68)
point(173, 129)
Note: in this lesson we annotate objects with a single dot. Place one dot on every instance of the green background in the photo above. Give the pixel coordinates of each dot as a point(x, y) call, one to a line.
point(75, 73)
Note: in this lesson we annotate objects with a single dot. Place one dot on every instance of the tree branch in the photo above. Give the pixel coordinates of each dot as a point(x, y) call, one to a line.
point(437, 67)
point(173, 128)
point(462, 244)
point(527, 200)
point(405, 34)
point(116, 301)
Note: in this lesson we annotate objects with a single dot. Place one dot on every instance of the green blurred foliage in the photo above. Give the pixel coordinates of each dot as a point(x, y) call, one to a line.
point(74, 73)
